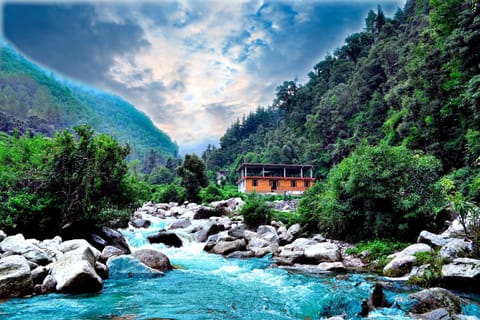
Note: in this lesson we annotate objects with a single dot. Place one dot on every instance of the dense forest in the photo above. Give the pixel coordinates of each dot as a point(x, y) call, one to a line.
point(389, 119)
point(38, 101)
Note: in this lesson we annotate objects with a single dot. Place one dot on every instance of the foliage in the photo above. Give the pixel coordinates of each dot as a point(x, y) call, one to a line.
point(287, 218)
point(377, 251)
point(170, 193)
point(255, 212)
point(193, 176)
point(77, 177)
point(211, 193)
point(376, 192)
point(432, 269)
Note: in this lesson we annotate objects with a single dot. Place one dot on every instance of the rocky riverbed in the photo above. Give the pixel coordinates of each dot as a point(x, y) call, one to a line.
point(29, 267)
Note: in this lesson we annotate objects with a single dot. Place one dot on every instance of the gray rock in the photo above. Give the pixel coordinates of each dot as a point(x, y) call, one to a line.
point(181, 224)
point(455, 248)
point(437, 314)
point(28, 248)
point(153, 259)
point(462, 273)
point(435, 298)
point(3, 235)
point(15, 276)
point(110, 251)
point(267, 233)
point(241, 255)
point(432, 239)
point(323, 252)
point(38, 274)
point(74, 272)
point(141, 223)
point(227, 247)
point(237, 232)
point(71, 245)
point(167, 238)
point(404, 260)
point(48, 285)
point(127, 267)
point(332, 267)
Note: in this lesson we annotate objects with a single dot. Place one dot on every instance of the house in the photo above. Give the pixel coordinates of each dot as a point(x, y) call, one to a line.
point(274, 178)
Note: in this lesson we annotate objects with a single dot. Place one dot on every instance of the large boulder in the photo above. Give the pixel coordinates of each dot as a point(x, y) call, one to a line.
point(337, 267)
point(141, 223)
point(167, 238)
point(455, 248)
point(434, 298)
point(153, 259)
point(261, 247)
point(127, 267)
point(462, 273)
point(323, 252)
point(28, 248)
point(181, 224)
point(15, 276)
point(110, 251)
point(205, 213)
point(226, 247)
point(432, 239)
point(293, 252)
point(75, 272)
point(71, 245)
point(404, 260)
point(113, 238)
point(267, 233)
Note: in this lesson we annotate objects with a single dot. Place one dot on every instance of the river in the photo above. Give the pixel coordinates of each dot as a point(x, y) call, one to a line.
point(207, 286)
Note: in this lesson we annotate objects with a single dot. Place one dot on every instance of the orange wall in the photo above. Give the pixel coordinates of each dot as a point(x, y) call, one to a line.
point(284, 184)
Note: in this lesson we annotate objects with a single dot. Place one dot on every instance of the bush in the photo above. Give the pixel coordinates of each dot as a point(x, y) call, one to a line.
point(170, 193)
point(376, 192)
point(211, 193)
point(378, 251)
point(255, 212)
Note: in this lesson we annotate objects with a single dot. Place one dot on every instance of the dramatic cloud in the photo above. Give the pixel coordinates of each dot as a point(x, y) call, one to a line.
point(192, 66)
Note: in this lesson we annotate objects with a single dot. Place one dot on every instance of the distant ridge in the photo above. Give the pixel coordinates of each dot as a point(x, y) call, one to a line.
point(35, 99)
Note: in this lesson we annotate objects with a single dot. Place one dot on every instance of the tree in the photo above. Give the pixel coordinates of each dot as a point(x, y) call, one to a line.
point(193, 176)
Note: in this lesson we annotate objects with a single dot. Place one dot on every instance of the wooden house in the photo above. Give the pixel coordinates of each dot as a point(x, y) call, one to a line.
point(274, 178)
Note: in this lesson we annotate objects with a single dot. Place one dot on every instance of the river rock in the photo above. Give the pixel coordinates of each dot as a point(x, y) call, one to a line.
point(225, 247)
point(454, 230)
point(15, 276)
point(141, 223)
point(462, 273)
point(110, 251)
point(437, 314)
point(432, 239)
point(38, 274)
point(3, 235)
point(113, 238)
point(181, 224)
point(238, 231)
point(71, 245)
point(261, 247)
point(241, 255)
point(323, 252)
point(167, 238)
point(332, 267)
point(48, 285)
point(455, 248)
point(267, 233)
point(101, 270)
point(404, 260)
point(153, 259)
point(204, 213)
point(75, 272)
point(52, 247)
point(17, 244)
point(434, 298)
point(127, 267)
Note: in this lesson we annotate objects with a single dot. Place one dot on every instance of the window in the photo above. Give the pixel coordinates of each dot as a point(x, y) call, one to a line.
point(307, 184)
point(254, 183)
point(293, 183)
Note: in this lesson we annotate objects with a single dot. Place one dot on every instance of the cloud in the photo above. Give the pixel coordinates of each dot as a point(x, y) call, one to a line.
point(192, 66)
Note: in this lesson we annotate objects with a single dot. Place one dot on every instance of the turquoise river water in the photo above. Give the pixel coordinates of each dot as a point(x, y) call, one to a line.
point(206, 286)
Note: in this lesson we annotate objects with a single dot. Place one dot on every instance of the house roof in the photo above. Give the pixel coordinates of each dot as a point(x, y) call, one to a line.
point(272, 166)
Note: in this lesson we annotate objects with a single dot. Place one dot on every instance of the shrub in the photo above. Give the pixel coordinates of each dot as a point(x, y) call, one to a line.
point(376, 192)
point(170, 193)
point(211, 193)
point(378, 251)
point(255, 212)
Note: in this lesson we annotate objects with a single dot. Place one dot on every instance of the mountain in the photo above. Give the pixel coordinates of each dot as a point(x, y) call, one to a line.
point(410, 80)
point(39, 101)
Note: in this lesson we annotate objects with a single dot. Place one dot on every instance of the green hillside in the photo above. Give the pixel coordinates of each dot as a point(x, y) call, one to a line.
point(36, 100)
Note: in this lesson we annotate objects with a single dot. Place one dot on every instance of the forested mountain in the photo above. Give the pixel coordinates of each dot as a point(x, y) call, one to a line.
point(412, 80)
point(39, 101)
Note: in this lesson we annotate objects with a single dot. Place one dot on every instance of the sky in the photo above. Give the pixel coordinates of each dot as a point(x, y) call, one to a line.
point(192, 66)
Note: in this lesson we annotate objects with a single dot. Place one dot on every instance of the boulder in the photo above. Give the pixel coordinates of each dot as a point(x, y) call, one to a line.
point(28, 248)
point(3, 235)
point(267, 233)
point(332, 267)
point(226, 247)
point(462, 273)
point(454, 230)
point(261, 247)
point(153, 259)
point(75, 272)
point(437, 314)
point(241, 255)
point(455, 248)
point(205, 213)
point(71, 245)
point(181, 224)
point(141, 223)
point(404, 260)
point(101, 270)
point(48, 285)
point(52, 247)
point(110, 251)
point(434, 298)
point(167, 238)
point(432, 239)
point(127, 267)
point(15, 276)
point(38, 274)
point(238, 231)
point(211, 242)
point(114, 238)
point(322, 252)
